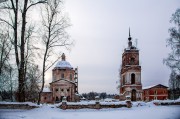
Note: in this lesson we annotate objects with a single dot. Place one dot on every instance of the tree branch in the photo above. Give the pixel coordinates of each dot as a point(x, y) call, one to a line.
point(39, 2)
point(6, 22)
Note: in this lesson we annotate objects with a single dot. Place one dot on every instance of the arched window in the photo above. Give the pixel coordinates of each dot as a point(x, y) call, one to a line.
point(71, 77)
point(132, 61)
point(57, 99)
point(132, 78)
point(62, 75)
point(124, 80)
point(124, 62)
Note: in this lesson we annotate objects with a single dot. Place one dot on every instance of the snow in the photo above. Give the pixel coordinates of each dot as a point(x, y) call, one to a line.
point(63, 64)
point(148, 87)
point(94, 102)
point(28, 103)
point(109, 100)
point(167, 101)
point(136, 112)
point(46, 89)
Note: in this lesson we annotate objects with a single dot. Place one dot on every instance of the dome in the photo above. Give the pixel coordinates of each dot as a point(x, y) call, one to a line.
point(46, 90)
point(63, 64)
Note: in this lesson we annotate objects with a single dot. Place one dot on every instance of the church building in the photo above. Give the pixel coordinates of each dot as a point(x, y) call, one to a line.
point(64, 83)
point(130, 73)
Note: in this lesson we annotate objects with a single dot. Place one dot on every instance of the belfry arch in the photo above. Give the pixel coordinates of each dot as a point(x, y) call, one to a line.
point(133, 77)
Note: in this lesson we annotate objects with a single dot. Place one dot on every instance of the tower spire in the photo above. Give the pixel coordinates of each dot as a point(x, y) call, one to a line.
point(129, 35)
point(130, 42)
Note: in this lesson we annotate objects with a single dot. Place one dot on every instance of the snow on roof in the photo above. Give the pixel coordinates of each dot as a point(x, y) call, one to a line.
point(63, 64)
point(148, 87)
point(83, 98)
point(46, 90)
point(131, 48)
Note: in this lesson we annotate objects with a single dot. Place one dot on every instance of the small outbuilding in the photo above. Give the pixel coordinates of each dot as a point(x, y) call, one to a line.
point(155, 92)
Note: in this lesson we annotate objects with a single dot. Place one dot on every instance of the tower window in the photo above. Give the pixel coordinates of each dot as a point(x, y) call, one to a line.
point(123, 80)
point(122, 90)
point(132, 78)
point(132, 61)
point(124, 62)
point(62, 75)
point(71, 77)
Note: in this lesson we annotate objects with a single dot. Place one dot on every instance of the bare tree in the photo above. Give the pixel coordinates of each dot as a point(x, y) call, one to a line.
point(5, 49)
point(173, 59)
point(6, 73)
point(5, 68)
point(32, 72)
point(16, 20)
point(20, 30)
point(54, 33)
point(32, 83)
point(174, 85)
point(103, 95)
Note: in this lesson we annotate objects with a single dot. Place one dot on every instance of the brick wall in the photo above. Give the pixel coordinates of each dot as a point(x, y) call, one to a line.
point(155, 94)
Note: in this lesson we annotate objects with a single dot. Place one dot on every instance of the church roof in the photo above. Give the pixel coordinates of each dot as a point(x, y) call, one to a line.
point(63, 80)
point(63, 63)
point(46, 90)
point(152, 86)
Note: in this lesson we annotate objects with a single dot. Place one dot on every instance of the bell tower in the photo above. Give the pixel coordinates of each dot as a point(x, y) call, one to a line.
point(130, 73)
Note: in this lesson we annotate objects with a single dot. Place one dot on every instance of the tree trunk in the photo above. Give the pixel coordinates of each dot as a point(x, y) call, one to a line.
point(22, 51)
point(43, 75)
point(15, 8)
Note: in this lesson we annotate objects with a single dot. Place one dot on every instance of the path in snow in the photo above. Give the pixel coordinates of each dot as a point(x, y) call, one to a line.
point(50, 112)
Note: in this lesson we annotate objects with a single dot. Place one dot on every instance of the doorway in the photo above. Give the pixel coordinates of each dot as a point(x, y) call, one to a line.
point(133, 95)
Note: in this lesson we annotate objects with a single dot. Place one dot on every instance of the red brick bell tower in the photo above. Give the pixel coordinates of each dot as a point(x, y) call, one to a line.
point(130, 74)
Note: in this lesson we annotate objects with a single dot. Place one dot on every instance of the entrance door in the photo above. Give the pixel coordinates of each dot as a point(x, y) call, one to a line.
point(68, 98)
point(61, 98)
point(133, 95)
point(57, 100)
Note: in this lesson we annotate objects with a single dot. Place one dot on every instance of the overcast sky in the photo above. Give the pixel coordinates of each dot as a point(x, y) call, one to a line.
point(100, 30)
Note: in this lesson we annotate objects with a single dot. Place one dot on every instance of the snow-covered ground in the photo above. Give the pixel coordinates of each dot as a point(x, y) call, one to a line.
point(138, 111)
